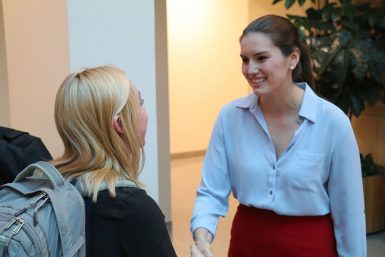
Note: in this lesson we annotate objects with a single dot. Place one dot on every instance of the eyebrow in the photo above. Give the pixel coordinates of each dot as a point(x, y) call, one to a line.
point(256, 54)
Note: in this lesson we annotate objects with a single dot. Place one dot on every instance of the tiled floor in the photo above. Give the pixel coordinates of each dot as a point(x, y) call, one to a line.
point(185, 178)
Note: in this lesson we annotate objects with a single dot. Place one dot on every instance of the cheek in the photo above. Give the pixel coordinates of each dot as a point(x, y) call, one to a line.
point(144, 119)
point(244, 70)
point(278, 65)
point(275, 70)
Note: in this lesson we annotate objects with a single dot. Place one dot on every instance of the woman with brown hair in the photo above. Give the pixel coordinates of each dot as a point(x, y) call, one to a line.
point(287, 155)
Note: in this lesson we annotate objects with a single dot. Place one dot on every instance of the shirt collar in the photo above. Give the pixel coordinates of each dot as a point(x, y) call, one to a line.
point(247, 102)
point(308, 109)
point(309, 104)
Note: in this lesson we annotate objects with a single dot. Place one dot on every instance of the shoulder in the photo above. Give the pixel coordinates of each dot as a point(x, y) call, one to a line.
point(332, 114)
point(242, 102)
point(129, 202)
point(10, 134)
point(137, 219)
point(238, 105)
point(320, 110)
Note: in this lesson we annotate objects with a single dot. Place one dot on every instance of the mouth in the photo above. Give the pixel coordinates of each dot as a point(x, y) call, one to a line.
point(257, 82)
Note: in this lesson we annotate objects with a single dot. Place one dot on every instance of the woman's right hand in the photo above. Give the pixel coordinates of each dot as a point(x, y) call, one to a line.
point(202, 247)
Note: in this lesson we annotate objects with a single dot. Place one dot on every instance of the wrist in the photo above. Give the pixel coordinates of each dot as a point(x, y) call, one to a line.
point(202, 236)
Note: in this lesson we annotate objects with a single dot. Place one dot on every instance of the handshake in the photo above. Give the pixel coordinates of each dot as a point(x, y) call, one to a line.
point(202, 246)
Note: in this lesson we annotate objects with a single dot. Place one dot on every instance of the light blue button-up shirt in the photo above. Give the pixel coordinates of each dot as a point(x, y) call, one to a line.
point(318, 173)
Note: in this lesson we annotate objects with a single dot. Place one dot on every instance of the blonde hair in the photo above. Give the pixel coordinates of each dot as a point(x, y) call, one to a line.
point(85, 106)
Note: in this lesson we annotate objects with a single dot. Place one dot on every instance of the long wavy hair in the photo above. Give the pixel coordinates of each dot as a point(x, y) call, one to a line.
point(85, 106)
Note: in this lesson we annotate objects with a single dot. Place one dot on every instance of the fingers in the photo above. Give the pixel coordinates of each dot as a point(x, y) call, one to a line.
point(202, 238)
point(195, 252)
point(205, 250)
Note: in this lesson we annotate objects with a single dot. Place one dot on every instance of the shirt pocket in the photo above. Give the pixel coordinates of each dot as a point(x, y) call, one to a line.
point(306, 171)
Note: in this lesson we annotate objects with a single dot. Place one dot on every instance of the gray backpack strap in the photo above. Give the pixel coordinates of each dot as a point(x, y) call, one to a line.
point(76, 248)
point(48, 170)
point(64, 201)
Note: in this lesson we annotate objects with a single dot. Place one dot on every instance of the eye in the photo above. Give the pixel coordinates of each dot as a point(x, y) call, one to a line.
point(245, 60)
point(141, 101)
point(262, 58)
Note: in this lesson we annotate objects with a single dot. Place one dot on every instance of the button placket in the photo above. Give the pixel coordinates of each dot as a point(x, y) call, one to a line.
point(273, 179)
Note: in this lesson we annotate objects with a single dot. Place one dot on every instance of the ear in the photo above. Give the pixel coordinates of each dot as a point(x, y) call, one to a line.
point(117, 125)
point(294, 57)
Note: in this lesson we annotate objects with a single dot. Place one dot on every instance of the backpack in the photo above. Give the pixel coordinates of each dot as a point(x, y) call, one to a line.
point(41, 216)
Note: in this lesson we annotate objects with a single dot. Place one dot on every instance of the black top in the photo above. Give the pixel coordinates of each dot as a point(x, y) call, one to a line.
point(129, 225)
point(18, 149)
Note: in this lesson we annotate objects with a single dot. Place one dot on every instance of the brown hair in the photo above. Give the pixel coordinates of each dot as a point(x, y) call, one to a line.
point(285, 36)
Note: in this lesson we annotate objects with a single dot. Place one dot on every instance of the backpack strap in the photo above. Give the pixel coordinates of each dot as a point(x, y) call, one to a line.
point(48, 170)
point(75, 248)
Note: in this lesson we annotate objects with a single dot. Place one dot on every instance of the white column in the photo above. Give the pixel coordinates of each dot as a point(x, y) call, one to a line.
point(122, 33)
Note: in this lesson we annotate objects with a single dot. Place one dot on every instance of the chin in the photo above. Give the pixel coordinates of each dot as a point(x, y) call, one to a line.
point(257, 91)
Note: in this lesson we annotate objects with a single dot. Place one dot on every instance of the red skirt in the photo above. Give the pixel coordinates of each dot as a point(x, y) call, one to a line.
point(256, 232)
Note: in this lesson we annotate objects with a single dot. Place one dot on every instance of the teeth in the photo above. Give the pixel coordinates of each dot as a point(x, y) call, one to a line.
point(257, 80)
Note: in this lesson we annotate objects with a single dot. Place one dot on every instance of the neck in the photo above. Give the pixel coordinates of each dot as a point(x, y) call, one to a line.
point(282, 102)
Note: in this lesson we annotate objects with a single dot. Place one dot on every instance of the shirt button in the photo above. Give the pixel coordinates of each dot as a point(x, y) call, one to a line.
point(273, 166)
point(271, 192)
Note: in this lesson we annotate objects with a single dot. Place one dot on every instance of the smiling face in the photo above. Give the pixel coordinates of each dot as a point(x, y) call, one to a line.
point(263, 64)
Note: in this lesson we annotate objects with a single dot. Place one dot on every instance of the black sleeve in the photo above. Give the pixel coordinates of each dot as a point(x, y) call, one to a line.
point(36, 151)
point(18, 149)
point(151, 237)
point(11, 162)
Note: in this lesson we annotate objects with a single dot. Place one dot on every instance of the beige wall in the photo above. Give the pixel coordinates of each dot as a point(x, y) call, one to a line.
point(5, 119)
point(36, 50)
point(204, 66)
point(369, 130)
point(204, 63)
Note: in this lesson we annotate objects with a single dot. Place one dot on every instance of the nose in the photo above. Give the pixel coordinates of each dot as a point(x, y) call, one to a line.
point(252, 68)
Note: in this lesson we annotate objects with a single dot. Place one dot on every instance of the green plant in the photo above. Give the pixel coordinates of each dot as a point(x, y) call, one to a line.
point(347, 46)
point(346, 42)
point(368, 166)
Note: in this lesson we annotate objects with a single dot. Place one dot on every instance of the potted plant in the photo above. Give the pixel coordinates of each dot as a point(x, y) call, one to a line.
point(346, 42)
point(374, 191)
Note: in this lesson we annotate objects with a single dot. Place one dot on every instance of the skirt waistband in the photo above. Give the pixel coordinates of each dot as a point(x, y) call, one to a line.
point(258, 232)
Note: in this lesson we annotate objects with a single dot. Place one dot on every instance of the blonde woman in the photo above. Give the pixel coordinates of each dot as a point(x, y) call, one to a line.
point(101, 119)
